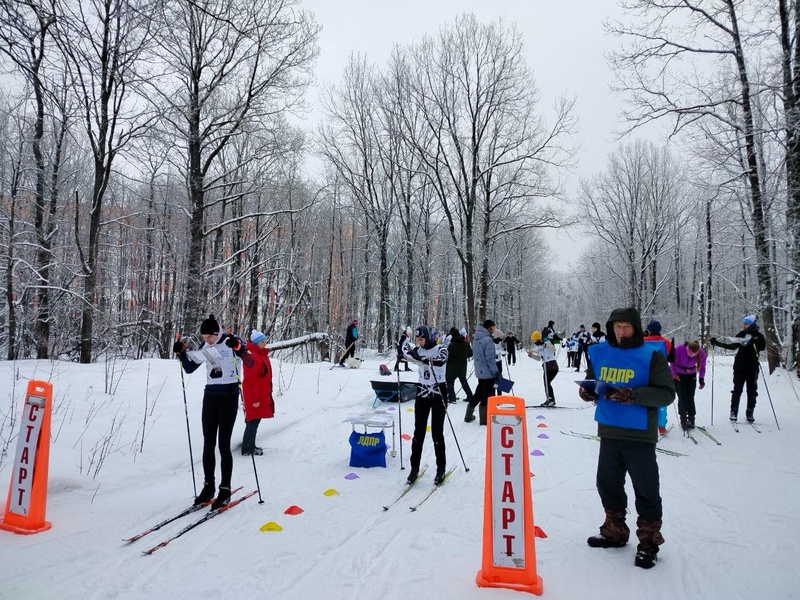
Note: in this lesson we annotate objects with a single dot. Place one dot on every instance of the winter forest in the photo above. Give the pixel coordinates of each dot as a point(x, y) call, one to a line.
point(154, 168)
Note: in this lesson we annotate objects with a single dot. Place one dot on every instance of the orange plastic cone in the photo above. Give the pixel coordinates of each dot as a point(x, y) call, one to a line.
point(27, 494)
point(509, 551)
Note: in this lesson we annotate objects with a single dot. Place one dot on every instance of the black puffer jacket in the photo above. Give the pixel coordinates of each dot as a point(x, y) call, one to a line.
point(746, 359)
point(458, 351)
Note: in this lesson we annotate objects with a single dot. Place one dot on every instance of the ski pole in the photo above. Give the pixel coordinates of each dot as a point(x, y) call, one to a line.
point(713, 354)
point(252, 454)
point(186, 412)
point(255, 472)
point(447, 414)
point(400, 418)
point(766, 387)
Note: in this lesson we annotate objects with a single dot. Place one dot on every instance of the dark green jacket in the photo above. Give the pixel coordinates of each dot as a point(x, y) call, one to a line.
point(458, 351)
point(660, 388)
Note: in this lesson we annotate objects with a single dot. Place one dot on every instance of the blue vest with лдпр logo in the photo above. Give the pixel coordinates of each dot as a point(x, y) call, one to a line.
point(619, 367)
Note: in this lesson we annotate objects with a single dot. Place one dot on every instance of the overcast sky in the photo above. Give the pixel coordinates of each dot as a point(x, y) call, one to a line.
point(565, 48)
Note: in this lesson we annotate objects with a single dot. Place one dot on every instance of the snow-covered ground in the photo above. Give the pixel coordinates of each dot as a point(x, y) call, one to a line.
point(731, 519)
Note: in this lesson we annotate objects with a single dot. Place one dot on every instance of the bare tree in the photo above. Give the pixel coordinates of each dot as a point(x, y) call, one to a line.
point(636, 206)
point(789, 15)
point(102, 41)
point(359, 144)
point(482, 141)
point(25, 34)
point(230, 62)
point(660, 69)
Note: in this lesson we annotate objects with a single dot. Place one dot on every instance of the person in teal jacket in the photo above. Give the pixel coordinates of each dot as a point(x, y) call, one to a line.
point(633, 380)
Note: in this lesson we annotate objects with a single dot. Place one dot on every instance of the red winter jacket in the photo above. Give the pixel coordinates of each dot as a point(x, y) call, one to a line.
point(257, 385)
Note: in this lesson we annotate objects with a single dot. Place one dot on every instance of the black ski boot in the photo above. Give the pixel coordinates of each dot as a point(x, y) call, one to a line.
point(749, 416)
point(206, 494)
point(598, 541)
point(439, 476)
point(412, 476)
point(650, 538)
point(469, 417)
point(646, 556)
point(223, 498)
point(614, 532)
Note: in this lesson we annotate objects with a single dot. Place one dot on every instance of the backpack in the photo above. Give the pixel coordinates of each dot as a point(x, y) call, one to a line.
point(385, 370)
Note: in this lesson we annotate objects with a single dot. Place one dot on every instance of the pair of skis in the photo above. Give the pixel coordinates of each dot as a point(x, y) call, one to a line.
point(407, 488)
point(194, 508)
point(597, 439)
point(688, 433)
point(736, 426)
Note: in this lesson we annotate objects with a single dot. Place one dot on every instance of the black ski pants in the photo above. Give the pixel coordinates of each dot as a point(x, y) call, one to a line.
point(577, 360)
point(451, 391)
point(637, 459)
point(219, 417)
point(686, 385)
point(550, 370)
point(433, 405)
point(512, 355)
point(740, 379)
point(483, 392)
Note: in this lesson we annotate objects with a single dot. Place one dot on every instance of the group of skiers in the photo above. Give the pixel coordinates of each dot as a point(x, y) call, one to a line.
point(578, 342)
point(629, 410)
point(628, 414)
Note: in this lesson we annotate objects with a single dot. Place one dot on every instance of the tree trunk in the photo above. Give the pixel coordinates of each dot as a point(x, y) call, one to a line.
point(765, 282)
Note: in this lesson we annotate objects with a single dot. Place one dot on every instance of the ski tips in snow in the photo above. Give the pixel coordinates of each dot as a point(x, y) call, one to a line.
point(435, 487)
point(206, 517)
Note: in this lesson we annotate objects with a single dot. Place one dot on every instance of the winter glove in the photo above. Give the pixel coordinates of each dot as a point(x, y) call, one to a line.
point(702, 383)
point(178, 347)
point(215, 373)
point(621, 395)
point(713, 341)
point(233, 343)
point(586, 395)
point(414, 353)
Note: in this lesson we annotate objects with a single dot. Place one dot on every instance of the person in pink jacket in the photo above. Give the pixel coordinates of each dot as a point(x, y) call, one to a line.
point(688, 367)
point(256, 392)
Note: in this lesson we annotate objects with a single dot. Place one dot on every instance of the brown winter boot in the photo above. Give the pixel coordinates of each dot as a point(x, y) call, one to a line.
point(469, 417)
point(614, 533)
point(650, 538)
point(482, 414)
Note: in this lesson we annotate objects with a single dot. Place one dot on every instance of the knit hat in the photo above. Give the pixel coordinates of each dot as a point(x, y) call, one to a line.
point(423, 331)
point(257, 336)
point(463, 331)
point(654, 327)
point(749, 320)
point(209, 326)
point(627, 315)
point(453, 331)
point(536, 336)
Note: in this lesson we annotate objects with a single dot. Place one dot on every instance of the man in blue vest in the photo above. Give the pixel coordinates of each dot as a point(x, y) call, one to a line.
point(632, 380)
